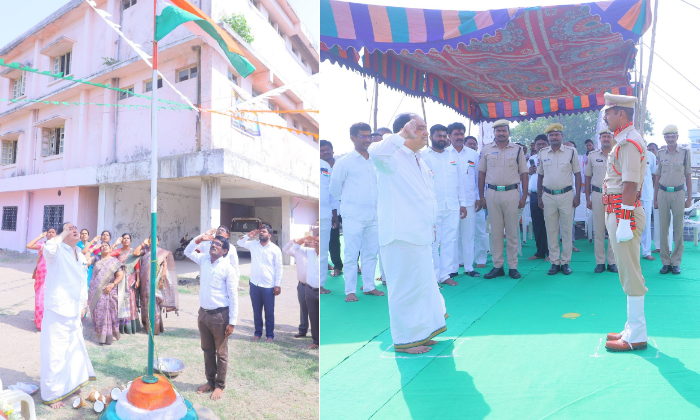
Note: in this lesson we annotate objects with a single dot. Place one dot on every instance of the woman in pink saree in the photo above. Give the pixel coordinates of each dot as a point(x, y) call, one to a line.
point(107, 274)
point(40, 275)
point(128, 312)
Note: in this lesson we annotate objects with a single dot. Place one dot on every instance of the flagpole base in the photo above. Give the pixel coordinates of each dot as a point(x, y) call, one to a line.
point(150, 401)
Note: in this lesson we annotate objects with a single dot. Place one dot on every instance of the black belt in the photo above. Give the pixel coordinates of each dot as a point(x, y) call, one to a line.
point(312, 288)
point(671, 189)
point(557, 192)
point(503, 187)
point(596, 189)
point(215, 311)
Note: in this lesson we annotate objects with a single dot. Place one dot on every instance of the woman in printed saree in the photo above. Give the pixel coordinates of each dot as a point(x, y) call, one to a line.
point(128, 312)
point(103, 299)
point(40, 275)
point(167, 298)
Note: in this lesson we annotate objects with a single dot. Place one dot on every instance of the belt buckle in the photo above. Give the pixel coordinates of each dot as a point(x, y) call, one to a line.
point(500, 188)
point(556, 192)
point(670, 189)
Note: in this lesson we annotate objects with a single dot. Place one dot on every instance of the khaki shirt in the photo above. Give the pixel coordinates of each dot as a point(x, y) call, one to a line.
point(596, 167)
point(673, 167)
point(626, 162)
point(557, 168)
point(502, 166)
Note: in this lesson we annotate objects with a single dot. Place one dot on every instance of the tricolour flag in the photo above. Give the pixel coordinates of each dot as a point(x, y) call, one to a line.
point(172, 13)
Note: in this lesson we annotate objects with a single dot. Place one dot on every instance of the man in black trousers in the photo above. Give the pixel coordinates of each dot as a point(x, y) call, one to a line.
point(334, 245)
point(537, 214)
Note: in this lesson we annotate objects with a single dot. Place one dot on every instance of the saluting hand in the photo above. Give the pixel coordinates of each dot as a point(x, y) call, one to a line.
point(252, 233)
point(409, 130)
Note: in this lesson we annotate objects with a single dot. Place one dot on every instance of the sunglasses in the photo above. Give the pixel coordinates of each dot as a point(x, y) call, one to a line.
point(219, 244)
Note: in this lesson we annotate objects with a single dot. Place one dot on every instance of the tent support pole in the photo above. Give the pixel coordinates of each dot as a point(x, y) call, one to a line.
point(651, 60)
point(376, 102)
point(422, 105)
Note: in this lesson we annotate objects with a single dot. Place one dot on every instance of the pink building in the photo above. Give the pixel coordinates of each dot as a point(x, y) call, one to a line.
point(89, 164)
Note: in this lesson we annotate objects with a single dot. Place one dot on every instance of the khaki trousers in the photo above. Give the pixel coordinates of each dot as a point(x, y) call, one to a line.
point(502, 209)
point(599, 230)
point(627, 254)
point(671, 203)
point(559, 209)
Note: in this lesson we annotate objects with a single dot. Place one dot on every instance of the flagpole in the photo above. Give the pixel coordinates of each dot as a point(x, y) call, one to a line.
point(150, 378)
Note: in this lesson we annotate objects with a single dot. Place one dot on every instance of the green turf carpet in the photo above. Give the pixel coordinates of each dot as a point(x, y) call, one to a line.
point(508, 352)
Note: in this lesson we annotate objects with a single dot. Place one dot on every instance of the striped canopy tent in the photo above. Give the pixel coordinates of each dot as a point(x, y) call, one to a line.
point(517, 64)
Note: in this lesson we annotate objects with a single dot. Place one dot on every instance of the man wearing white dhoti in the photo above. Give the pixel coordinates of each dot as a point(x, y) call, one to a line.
point(406, 212)
point(65, 366)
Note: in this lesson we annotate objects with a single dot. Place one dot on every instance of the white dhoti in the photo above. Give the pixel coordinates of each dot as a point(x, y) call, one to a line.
point(65, 365)
point(444, 248)
point(361, 237)
point(326, 225)
point(416, 307)
point(481, 243)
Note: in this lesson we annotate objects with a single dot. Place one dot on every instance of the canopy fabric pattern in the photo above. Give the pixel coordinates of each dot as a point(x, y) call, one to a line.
point(517, 64)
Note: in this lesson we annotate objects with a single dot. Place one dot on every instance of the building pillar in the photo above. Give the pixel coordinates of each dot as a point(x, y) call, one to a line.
point(102, 208)
point(80, 132)
point(23, 221)
point(29, 140)
point(285, 234)
point(210, 204)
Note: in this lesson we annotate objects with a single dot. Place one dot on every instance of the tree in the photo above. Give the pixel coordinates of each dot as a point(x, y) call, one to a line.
point(577, 127)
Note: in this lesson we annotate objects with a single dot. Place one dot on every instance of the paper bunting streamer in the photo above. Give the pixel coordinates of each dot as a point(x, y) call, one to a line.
point(174, 108)
point(291, 111)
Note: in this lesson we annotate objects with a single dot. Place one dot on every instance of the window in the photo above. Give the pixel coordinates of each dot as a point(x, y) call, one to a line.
point(279, 32)
point(270, 21)
point(232, 77)
point(294, 51)
point(62, 63)
point(149, 84)
point(255, 93)
point(187, 74)
point(128, 94)
point(272, 106)
point(9, 152)
point(254, 3)
point(53, 217)
point(128, 3)
point(52, 141)
point(9, 218)
point(18, 86)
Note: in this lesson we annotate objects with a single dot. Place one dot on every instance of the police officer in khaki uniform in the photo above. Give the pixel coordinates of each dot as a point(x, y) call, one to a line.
point(625, 217)
point(594, 173)
point(557, 196)
point(672, 172)
point(501, 166)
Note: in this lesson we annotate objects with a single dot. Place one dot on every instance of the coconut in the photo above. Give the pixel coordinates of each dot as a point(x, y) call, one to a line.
point(99, 406)
point(115, 394)
point(93, 396)
point(79, 403)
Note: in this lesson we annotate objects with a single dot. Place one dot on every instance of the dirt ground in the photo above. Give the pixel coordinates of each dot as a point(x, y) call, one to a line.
point(277, 380)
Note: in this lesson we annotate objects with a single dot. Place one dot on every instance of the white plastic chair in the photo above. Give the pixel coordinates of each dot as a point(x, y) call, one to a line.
point(691, 223)
point(26, 402)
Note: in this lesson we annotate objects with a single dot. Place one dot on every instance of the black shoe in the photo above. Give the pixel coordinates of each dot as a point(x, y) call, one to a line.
point(514, 274)
point(554, 269)
point(473, 274)
point(676, 269)
point(612, 268)
point(565, 269)
point(453, 275)
point(599, 268)
point(665, 269)
point(495, 272)
point(299, 335)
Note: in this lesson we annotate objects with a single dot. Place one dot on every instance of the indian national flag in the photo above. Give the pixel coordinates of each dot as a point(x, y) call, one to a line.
point(172, 13)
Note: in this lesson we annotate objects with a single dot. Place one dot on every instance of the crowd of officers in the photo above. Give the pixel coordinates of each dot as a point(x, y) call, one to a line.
point(496, 183)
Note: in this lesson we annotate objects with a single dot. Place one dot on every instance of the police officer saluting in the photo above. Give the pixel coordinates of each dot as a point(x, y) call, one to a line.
point(501, 166)
point(672, 172)
point(557, 196)
point(595, 174)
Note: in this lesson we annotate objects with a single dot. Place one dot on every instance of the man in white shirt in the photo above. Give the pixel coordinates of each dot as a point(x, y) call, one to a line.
point(309, 247)
point(265, 279)
point(354, 183)
point(300, 261)
point(539, 230)
point(328, 219)
point(406, 212)
point(648, 203)
point(449, 194)
point(65, 365)
point(218, 308)
point(481, 238)
point(466, 164)
point(225, 232)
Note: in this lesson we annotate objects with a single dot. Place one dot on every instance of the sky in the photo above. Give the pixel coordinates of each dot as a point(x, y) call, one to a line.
point(345, 101)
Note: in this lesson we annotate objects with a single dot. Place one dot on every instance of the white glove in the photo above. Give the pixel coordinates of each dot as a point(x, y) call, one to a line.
point(624, 230)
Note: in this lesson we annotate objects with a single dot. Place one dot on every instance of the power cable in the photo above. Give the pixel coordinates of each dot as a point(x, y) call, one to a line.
point(690, 4)
point(691, 112)
point(669, 64)
point(674, 107)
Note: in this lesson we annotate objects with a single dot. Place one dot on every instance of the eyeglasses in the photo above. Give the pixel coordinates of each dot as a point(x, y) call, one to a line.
point(362, 137)
point(219, 244)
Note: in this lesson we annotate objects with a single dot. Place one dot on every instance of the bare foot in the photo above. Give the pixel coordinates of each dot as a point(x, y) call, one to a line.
point(650, 258)
point(414, 350)
point(378, 278)
point(546, 259)
point(573, 248)
point(324, 291)
point(330, 267)
point(656, 250)
point(269, 340)
point(374, 292)
point(204, 388)
point(480, 265)
point(351, 298)
point(58, 404)
point(312, 346)
point(217, 394)
point(431, 343)
point(535, 257)
point(255, 338)
point(450, 282)
point(336, 273)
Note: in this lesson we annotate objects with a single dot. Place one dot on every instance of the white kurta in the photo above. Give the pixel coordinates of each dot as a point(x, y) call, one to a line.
point(406, 212)
point(468, 159)
point(65, 365)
